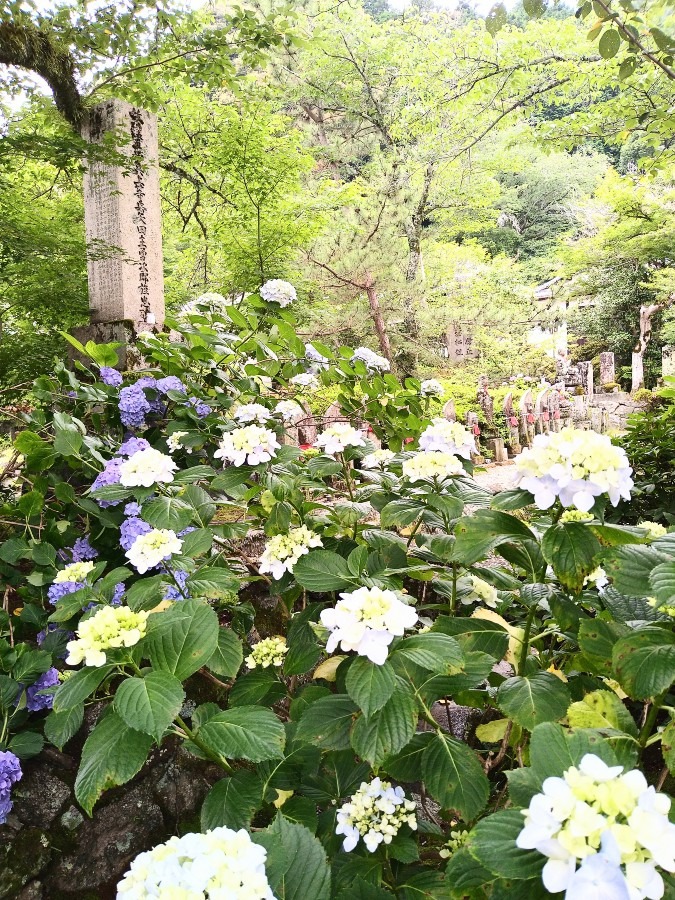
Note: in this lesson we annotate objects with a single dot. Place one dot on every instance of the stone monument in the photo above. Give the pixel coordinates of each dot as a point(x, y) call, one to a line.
point(607, 369)
point(668, 361)
point(484, 399)
point(512, 424)
point(449, 411)
point(527, 418)
point(123, 226)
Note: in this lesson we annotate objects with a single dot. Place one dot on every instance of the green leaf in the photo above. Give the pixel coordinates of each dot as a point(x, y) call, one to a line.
point(67, 436)
point(630, 568)
point(168, 512)
point(496, 19)
point(464, 872)
point(387, 731)
point(212, 583)
point(454, 776)
point(572, 550)
point(644, 662)
point(112, 754)
point(26, 744)
point(400, 512)
point(406, 765)
point(327, 722)
point(246, 732)
point(662, 583)
point(434, 651)
point(475, 635)
point(146, 593)
point(233, 481)
point(534, 8)
point(228, 655)
point(493, 843)
point(79, 686)
point(149, 704)
point(182, 639)
point(601, 709)
point(30, 664)
point(13, 550)
point(531, 699)
point(597, 639)
point(322, 570)
point(60, 727)
point(232, 801)
point(369, 685)
point(484, 530)
point(296, 864)
point(668, 746)
point(31, 504)
point(609, 43)
point(197, 542)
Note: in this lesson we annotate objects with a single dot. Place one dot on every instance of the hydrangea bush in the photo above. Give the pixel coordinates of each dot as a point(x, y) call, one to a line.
point(411, 688)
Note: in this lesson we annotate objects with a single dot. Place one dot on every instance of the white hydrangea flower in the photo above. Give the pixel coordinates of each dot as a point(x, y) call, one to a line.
point(149, 550)
point(375, 813)
point(278, 291)
point(147, 467)
point(110, 628)
point(251, 444)
point(367, 620)
point(305, 380)
point(283, 550)
point(318, 360)
point(378, 459)
point(268, 652)
point(576, 466)
point(448, 437)
point(481, 590)
point(288, 410)
point(430, 464)
point(173, 441)
point(252, 412)
point(598, 578)
point(338, 437)
point(654, 530)
point(221, 865)
point(77, 571)
point(373, 361)
point(431, 388)
point(598, 810)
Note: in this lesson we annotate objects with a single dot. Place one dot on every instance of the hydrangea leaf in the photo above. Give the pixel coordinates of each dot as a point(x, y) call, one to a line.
point(644, 662)
point(572, 551)
point(232, 801)
point(601, 709)
point(388, 730)
point(370, 685)
point(246, 732)
point(150, 704)
point(454, 776)
point(493, 843)
point(532, 699)
point(228, 656)
point(296, 865)
point(182, 639)
point(327, 722)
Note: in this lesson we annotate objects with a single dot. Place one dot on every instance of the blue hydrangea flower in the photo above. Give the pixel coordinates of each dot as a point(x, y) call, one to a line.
point(133, 406)
point(83, 551)
point(149, 383)
point(110, 376)
point(132, 445)
point(110, 475)
point(62, 588)
point(10, 773)
point(170, 383)
point(172, 592)
point(51, 628)
point(118, 593)
point(35, 701)
point(130, 529)
point(132, 509)
point(202, 409)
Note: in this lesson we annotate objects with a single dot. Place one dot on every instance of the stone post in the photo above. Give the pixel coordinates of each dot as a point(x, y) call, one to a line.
point(527, 417)
point(485, 401)
point(589, 379)
point(512, 424)
point(123, 227)
point(668, 361)
point(541, 411)
point(607, 369)
point(473, 424)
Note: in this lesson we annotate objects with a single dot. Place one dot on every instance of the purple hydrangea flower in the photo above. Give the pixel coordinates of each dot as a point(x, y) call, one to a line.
point(72, 394)
point(10, 773)
point(202, 409)
point(130, 529)
point(133, 406)
point(154, 403)
point(172, 592)
point(83, 551)
point(110, 376)
point(35, 701)
point(132, 445)
point(50, 629)
point(110, 475)
point(170, 383)
point(118, 593)
point(62, 588)
point(132, 509)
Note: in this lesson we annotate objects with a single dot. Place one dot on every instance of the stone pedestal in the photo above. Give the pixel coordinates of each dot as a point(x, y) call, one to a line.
point(496, 447)
point(607, 369)
point(122, 220)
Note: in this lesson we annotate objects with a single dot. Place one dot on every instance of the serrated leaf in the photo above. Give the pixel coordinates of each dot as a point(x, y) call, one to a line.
point(79, 686)
point(644, 662)
point(572, 550)
point(601, 709)
point(322, 570)
point(434, 651)
point(228, 656)
point(454, 776)
point(327, 722)
point(370, 685)
point(388, 730)
point(484, 530)
point(181, 639)
point(531, 699)
point(493, 843)
point(246, 732)
point(232, 801)
point(60, 727)
point(150, 704)
point(112, 754)
point(296, 864)
point(168, 512)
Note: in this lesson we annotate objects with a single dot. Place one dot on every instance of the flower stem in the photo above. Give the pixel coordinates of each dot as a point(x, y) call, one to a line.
point(526, 641)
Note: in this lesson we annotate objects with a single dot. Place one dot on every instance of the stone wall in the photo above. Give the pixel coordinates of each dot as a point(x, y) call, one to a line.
point(618, 406)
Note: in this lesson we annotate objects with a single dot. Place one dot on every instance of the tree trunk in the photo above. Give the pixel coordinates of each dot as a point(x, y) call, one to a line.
point(378, 320)
point(647, 313)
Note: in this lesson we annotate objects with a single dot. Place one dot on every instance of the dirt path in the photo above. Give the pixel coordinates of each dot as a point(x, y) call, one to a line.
point(496, 478)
